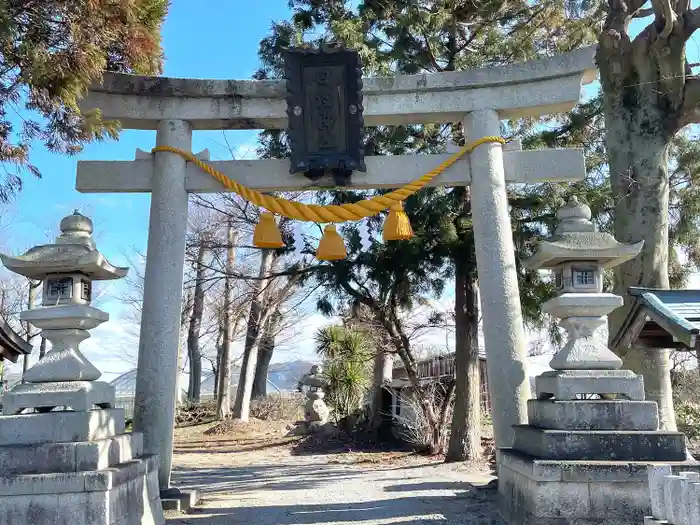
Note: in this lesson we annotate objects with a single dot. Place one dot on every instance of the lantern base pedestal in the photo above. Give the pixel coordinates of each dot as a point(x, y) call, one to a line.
point(81, 396)
point(567, 385)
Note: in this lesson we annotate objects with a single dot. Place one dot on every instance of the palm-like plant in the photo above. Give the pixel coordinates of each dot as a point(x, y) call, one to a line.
point(347, 358)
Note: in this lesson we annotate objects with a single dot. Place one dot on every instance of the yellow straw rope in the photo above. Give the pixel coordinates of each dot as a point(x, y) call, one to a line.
point(332, 213)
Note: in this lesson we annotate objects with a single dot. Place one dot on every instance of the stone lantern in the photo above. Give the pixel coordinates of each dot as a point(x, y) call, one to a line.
point(316, 411)
point(582, 456)
point(64, 377)
point(578, 254)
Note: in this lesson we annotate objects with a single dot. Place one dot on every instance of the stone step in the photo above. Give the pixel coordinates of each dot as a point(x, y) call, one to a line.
point(70, 457)
point(593, 415)
point(183, 500)
point(592, 471)
point(61, 427)
point(172, 504)
point(567, 385)
point(599, 444)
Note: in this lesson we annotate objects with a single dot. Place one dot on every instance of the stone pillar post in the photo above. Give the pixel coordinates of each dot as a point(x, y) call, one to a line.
point(156, 380)
point(498, 283)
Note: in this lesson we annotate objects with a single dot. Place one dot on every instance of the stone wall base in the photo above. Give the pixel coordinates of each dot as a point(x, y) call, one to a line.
point(126, 494)
point(549, 492)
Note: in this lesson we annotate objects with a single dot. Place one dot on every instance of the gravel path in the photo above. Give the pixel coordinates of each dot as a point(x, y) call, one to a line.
point(270, 487)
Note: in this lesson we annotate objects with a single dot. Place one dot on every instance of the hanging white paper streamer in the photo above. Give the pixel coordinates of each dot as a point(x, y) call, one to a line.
point(365, 239)
point(298, 238)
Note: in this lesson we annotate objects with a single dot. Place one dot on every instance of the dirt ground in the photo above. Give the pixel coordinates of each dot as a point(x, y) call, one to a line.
point(259, 474)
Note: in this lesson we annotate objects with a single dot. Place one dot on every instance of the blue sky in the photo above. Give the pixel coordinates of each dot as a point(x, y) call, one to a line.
point(203, 39)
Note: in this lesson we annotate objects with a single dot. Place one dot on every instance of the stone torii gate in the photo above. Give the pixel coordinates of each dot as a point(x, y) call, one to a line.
point(481, 98)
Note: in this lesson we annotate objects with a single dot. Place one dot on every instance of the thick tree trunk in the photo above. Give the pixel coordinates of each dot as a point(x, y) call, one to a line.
point(640, 122)
point(241, 408)
point(195, 326)
point(266, 348)
point(223, 398)
point(465, 432)
point(381, 379)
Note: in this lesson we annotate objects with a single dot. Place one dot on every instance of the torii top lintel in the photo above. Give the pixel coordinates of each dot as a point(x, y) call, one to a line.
point(529, 89)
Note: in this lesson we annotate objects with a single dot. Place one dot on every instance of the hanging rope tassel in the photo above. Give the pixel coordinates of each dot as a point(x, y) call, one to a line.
point(267, 234)
point(331, 247)
point(397, 227)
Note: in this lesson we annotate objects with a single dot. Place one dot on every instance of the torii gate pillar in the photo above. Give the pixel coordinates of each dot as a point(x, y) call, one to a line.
point(483, 97)
point(504, 336)
point(157, 372)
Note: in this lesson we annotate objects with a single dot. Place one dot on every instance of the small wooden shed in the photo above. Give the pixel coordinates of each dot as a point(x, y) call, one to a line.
point(661, 319)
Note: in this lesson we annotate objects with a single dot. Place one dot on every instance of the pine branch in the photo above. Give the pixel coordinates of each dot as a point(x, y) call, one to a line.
point(429, 49)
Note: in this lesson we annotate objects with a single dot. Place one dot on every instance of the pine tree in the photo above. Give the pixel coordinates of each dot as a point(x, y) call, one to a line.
point(407, 37)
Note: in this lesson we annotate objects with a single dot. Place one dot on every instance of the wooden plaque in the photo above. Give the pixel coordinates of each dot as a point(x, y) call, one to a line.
point(324, 106)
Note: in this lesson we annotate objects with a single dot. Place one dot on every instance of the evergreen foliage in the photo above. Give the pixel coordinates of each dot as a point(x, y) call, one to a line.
point(50, 52)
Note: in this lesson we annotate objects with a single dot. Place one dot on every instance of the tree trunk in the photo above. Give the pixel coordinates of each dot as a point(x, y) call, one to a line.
point(223, 398)
point(180, 396)
point(195, 326)
point(266, 348)
point(379, 421)
point(402, 344)
point(42, 348)
point(241, 408)
point(465, 431)
point(34, 288)
point(387, 317)
point(221, 333)
point(640, 125)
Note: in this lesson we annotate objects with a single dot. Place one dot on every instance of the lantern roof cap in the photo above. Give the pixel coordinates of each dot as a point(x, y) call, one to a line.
point(73, 251)
point(576, 238)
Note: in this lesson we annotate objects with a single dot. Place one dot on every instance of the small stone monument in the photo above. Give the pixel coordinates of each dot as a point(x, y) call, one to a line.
point(69, 460)
point(315, 411)
point(582, 458)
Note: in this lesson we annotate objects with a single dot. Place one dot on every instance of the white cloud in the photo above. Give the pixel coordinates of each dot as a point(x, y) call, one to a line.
point(245, 151)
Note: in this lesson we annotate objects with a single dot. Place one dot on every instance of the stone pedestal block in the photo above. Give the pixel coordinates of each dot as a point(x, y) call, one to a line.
point(602, 445)
point(593, 415)
point(81, 396)
point(70, 457)
point(76, 468)
point(566, 385)
point(545, 492)
point(60, 427)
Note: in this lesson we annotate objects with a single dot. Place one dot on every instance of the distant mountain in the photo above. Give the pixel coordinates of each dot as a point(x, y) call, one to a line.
point(281, 377)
